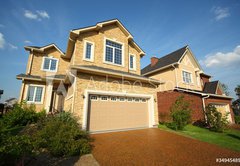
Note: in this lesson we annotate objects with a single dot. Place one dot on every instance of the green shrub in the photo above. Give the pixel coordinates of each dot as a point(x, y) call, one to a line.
point(215, 120)
point(61, 136)
point(21, 115)
point(180, 113)
point(237, 119)
point(13, 149)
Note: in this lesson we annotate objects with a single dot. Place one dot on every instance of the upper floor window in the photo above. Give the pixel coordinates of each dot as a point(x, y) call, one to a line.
point(187, 77)
point(113, 52)
point(50, 64)
point(132, 62)
point(88, 53)
point(35, 94)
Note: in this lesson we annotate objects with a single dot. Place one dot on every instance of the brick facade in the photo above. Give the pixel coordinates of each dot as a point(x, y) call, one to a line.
point(167, 98)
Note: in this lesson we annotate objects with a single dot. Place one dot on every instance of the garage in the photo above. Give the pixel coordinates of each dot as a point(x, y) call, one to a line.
point(110, 112)
point(224, 109)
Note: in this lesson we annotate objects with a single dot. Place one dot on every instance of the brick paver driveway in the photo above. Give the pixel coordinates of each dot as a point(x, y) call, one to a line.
point(155, 147)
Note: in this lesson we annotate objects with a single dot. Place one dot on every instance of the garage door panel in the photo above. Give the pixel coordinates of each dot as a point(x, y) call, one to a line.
point(112, 115)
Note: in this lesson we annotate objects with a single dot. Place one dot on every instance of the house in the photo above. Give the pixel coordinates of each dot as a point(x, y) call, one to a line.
point(10, 102)
point(98, 79)
point(183, 75)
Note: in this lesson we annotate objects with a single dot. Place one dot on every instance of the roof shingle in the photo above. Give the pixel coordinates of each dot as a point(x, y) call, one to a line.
point(165, 61)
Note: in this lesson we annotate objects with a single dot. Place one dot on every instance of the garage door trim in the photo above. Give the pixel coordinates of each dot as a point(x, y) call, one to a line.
point(92, 92)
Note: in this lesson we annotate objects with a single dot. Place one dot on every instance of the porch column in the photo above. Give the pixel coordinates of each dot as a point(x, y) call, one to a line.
point(48, 94)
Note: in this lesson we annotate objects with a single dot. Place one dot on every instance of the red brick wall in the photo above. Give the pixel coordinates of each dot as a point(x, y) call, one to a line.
point(220, 101)
point(167, 98)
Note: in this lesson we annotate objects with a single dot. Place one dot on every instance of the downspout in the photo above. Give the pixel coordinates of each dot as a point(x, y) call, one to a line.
point(204, 105)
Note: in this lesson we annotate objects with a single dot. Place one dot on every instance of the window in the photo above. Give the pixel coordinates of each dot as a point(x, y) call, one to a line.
point(34, 94)
point(137, 99)
point(113, 52)
point(130, 99)
point(104, 98)
point(132, 62)
point(144, 100)
point(88, 53)
point(50, 64)
point(187, 77)
point(122, 99)
point(113, 98)
point(93, 97)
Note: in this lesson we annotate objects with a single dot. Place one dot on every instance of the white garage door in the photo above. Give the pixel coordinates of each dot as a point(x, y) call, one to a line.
point(115, 112)
point(224, 109)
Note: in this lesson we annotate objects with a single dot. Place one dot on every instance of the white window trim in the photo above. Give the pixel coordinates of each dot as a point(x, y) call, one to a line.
point(94, 99)
point(134, 62)
point(104, 52)
point(191, 74)
point(131, 100)
point(43, 93)
point(48, 70)
point(92, 51)
point(102, 99)
point(113, 100)
point(122, 98)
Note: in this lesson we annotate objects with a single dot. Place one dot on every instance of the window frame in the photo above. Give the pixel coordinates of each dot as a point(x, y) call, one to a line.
point(104, 52)
point(191, 77)
point(101, 98)
point(92, 99)
point(92, 51)
point(51, 58)
point(34, 94)
point(134, 62)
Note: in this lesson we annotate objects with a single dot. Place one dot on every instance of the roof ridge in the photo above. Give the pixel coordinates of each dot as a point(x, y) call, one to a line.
point(174, 51)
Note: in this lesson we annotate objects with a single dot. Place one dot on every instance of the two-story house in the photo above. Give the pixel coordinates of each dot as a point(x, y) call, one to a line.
point(183, 75)
point(98, 79)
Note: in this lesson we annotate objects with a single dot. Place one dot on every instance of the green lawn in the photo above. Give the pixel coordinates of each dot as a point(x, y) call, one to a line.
point(228, 139)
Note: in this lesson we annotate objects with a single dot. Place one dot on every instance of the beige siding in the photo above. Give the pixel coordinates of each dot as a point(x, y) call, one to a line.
point(63, 64)
point(168, 76)
point(188, 64)
point(111, 32)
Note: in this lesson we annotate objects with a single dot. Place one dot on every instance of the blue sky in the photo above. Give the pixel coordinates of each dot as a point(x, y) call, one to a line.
point(210, 28)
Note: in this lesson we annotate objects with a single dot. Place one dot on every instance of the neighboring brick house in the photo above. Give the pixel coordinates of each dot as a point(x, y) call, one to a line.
point(98, 79)
point(183, 75)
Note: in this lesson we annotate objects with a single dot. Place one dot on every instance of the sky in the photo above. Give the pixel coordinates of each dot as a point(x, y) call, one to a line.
point(210, 28)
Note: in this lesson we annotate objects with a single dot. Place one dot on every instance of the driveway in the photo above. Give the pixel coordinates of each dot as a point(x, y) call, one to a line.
point(155, 147)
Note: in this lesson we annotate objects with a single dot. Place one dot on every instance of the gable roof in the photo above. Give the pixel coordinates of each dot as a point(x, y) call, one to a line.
point(43, 48)
point(166, 60)
point(211, 87)
point(169, 60)
point(76, 32)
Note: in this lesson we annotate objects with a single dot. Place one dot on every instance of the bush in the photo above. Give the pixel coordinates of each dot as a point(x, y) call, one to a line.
point(215, 120)
point(21, 115)
point(61, 136)
point(237, 119)
point(180, 113)
point(13, 149)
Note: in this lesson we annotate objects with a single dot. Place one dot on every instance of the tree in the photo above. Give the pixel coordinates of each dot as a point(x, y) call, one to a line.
point(225, 89)
point(237, 90)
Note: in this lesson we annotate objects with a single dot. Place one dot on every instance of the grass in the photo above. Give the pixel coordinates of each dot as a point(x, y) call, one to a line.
point(228, 139)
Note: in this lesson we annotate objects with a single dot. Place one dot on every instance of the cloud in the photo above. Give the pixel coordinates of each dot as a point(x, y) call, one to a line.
point(37, 15)
point(220, 13)
point(2, 41)
point(220, 59)
point(43, 14)
point(30, 15)
point(12, 47)
point(27, 42)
